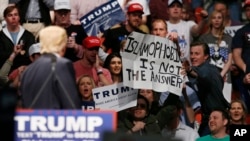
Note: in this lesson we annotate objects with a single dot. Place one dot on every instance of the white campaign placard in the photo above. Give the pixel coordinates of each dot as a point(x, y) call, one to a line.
point(115, 97)
point(151, 62)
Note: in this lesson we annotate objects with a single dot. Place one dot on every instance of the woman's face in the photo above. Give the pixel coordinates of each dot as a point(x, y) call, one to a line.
point(115, 65)
point(236, 111)
point(217, 20)
point(148, 93)
point(85, 88)
point(140, 111)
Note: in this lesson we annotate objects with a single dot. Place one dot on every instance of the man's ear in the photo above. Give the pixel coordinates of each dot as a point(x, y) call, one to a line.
point(206, 57)
point(167, 11)
point(225, 122)
point(127, 15)
point(31, 58)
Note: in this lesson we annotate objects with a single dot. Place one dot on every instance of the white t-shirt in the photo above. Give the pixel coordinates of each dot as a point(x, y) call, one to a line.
point(183, 29)
point(182, 132)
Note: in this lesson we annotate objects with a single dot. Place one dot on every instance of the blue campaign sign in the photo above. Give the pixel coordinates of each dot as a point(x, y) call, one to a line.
point(102, 18)
point(63, 125)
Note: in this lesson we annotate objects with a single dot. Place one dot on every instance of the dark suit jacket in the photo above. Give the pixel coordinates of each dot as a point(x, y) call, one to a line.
point(42, 89)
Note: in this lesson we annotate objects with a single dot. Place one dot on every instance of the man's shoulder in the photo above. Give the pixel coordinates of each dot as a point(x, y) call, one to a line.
point(76, 28)
point(64, 60)
point(28, 33)
point(120, 28)
point(77, 63)
point(204, 138)
point(72, 26)
point(245, 28)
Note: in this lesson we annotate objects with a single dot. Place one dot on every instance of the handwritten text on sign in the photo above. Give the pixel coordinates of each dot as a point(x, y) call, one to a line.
point(151, 62)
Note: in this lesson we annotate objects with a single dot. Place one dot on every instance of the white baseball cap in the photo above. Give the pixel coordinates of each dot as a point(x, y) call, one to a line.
point(170, 2)
point(62, 4)
point(34, 48)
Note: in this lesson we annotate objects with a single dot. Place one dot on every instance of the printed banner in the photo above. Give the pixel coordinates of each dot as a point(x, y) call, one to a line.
point(115, 97)
point(63, 125)
point(151, 62)
point(102, 18)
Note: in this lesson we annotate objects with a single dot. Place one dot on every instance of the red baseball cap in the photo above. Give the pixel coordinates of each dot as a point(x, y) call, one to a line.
point(135, 7)
point(91, 42)
point(247, 3)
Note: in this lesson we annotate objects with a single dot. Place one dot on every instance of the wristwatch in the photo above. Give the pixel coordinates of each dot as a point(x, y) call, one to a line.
point(99, 71)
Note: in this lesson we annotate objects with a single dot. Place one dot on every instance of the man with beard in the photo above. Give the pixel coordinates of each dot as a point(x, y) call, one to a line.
point(114, 37)
point(89, 64)
point(76, 33)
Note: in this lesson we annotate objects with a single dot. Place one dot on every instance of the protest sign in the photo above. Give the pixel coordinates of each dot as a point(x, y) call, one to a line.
point(102, 18)
point(62, 125)
point(115, 97)
point(231, 30)
point(151, 62)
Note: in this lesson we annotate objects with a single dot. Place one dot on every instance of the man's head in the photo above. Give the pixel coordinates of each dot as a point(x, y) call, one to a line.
point(175, 9)
point(62, 10)
point(91, 46)
point(185, 12)
point(218, 121)
point(134, 15)
point(223, 8)
point(159, 28)
point(11, 16)
point(34, 51)
point(246, 4)
point(199, 53)
point(53, 39)
point(247, 9)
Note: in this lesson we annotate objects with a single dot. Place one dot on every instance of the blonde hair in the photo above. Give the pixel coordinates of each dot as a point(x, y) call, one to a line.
point(159, 21)
point(53, 39)
point(88, 76)
point(221, 32)
point(79, 82)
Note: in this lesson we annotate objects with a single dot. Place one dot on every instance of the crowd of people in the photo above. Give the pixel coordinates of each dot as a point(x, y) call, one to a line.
point(49, 61)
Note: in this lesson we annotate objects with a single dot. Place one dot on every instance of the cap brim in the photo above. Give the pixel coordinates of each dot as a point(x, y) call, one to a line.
point(136, 12)
point(63, 9)
point(175, 2)
point(93, 47)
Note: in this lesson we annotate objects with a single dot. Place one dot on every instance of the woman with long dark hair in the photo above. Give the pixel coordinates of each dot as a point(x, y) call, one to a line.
point(113, 63)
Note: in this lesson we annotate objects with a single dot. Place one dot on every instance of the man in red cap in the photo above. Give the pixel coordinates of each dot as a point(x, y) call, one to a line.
point(114, 37)
point(89, 64)
point(241, 50)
